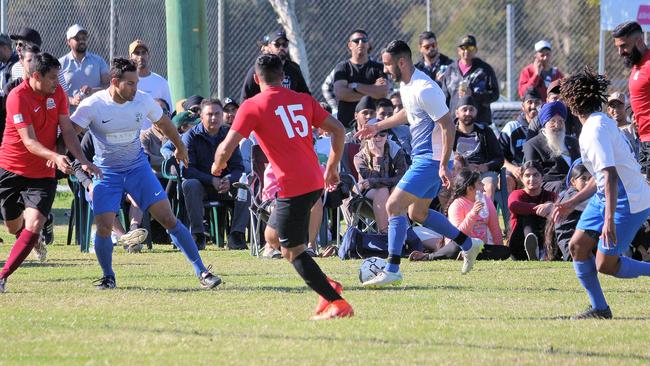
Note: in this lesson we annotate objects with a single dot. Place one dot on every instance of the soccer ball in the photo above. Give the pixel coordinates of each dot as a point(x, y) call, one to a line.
point(370, 267)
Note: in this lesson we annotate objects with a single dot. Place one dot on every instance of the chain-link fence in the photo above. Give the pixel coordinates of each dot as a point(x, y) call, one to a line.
point(572, 26)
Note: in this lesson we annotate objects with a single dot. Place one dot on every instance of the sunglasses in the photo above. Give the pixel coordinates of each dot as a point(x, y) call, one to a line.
point(357, 40)
point(281, 44)
point(140, 53)
point(468, 48)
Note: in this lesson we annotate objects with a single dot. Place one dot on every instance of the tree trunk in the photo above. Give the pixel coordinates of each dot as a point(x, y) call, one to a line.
point(289, 21)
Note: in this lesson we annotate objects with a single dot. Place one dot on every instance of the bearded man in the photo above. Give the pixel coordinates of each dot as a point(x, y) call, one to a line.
point(552, 148)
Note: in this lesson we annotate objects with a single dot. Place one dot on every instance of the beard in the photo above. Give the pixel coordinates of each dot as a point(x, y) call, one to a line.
point(81, 48)
point(632, 58)
point(555, 142)
point(397, 75)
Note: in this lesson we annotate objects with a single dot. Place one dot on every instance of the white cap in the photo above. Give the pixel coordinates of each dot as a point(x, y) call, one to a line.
point(74, 30)
point(541, 45)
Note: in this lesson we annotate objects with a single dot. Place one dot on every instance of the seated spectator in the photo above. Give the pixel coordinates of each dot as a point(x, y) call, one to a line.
point(230, 108)
point(444, 194)
point(563, 230)
point(363, 112)
point(193, 104)
point(514, 135)
point(380, 165)
point(400, 134)
point(540, 73)
point(396, 100)
point(478, 145)
point(616, 109)
point(200, 185)
point(552, 149)
point(572, 124)
point(152, 140)
point(529, 207)
point(183, 122)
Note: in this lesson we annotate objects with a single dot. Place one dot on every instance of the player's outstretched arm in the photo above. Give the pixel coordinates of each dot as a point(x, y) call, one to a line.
point(169, 130)
point(28, 136)
point(337, 133)
point(369, 131)
point(224, 151)
point(563, 209)
point(69, 132)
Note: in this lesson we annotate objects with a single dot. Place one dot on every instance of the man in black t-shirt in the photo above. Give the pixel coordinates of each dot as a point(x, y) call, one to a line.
point(357, 77)
point(276, 43)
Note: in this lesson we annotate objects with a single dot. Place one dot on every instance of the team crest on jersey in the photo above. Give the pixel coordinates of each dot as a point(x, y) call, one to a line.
point(18, 118)
point(49, 103)
point(138, 117)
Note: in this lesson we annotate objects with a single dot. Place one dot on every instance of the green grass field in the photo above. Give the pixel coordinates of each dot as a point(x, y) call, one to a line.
point(502, 313)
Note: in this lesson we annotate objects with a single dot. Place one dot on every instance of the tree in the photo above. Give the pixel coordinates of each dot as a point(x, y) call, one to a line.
point(289, 21)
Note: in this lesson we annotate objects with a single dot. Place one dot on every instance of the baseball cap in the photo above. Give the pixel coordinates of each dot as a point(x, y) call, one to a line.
point(4, 39)
point(274, 36)
point(618, 96)
point(541, 45)
point(185, 117)
point(531, 93)
point(554, 87)
point(29, 35)
point(228, 101)
point(74, 30)
point(467, 40)
point(137, 43)
point(365, 103)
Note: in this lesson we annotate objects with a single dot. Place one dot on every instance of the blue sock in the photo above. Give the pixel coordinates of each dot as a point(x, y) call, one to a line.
point(183, 240)
point(631, 268)
point(440, 224)
point(397, 227)
point(588, 277)
point(104, 253)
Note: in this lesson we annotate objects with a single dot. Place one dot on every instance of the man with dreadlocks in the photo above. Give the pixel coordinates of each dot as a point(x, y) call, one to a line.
point(621, 199)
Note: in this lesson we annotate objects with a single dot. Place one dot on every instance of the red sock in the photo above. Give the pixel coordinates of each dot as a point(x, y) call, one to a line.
point(19, 252)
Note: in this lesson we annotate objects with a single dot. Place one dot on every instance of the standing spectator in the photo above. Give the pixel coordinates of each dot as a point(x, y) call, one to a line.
point(328, 92)
point(514, 135)
point(478, 145)
point(26, 36)
point(529, 208)
point(433, 63)
point(616, 103)
point(540, 73)
point(199, 184)
point(230, 108)
point(628, 39)
point(552, 148)
point(276, 43)
point(471, 76)
point(84, 72)
point(8, 57)
point(148, 81)
point(357, 77)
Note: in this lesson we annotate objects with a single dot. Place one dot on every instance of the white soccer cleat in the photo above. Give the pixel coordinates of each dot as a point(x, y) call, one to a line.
point(384, 278)
point(471, 254)
point(132, 241)
point(40, 250)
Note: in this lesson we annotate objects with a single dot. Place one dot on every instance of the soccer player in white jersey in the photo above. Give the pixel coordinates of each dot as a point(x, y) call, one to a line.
point(432, 133)
point(115, 117)
point(621, 202)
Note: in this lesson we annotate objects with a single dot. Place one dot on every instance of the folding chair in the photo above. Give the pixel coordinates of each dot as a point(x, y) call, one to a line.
point(357, 210)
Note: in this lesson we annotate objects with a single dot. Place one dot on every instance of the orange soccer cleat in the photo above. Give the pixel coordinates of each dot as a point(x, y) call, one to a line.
point(336, 309)
point(322, 302)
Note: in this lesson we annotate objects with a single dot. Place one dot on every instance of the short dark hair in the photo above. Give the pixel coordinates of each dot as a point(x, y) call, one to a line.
point(163, 102)
point(268, 67)
point(426, 35)
point(398, 48)
point(44, 63)
point(626, 29)
point(120, 66)
point(210, 101)
point(383, 102)
point(358, 30)
point(395, 94)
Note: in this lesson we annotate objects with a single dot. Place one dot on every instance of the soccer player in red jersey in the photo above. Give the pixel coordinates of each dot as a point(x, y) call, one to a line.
point(283, 121)
point(36, 109)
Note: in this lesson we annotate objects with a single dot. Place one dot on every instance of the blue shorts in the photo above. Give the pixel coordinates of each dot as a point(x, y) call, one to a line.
point(422, 178)
point(140, 182)
point(627, 223)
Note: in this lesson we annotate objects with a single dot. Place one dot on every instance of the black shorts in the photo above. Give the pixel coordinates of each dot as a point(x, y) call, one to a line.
point(18, 192)
point(290, 218)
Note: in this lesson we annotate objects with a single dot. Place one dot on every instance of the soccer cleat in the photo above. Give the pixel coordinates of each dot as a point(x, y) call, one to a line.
point(530, 245)
point(384, 278)
point(592, 313)
point(132, 241)
point(105, 283)
point(3, 285)
point(336, 309)
point(471, 254)
point(40, 249)
point(48, 230)
point(209, 280)
point(322, 302)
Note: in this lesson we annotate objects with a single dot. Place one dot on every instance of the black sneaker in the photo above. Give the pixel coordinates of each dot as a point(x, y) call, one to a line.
point(105, 283)
point(531, 245)
point(237, 241)
point(48, 230)
point(3, 285)
point(208, 280)
point(592, 313)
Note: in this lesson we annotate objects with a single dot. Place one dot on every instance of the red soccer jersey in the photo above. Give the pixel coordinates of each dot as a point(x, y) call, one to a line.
point(639, 86)
point(25, 108)
point(282, 121)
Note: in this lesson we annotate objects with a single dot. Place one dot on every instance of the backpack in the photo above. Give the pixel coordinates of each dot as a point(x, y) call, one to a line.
point(357, 244)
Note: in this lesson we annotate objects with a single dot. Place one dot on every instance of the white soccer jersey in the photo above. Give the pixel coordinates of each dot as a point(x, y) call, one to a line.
point(603, 145)
point(116, 128)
